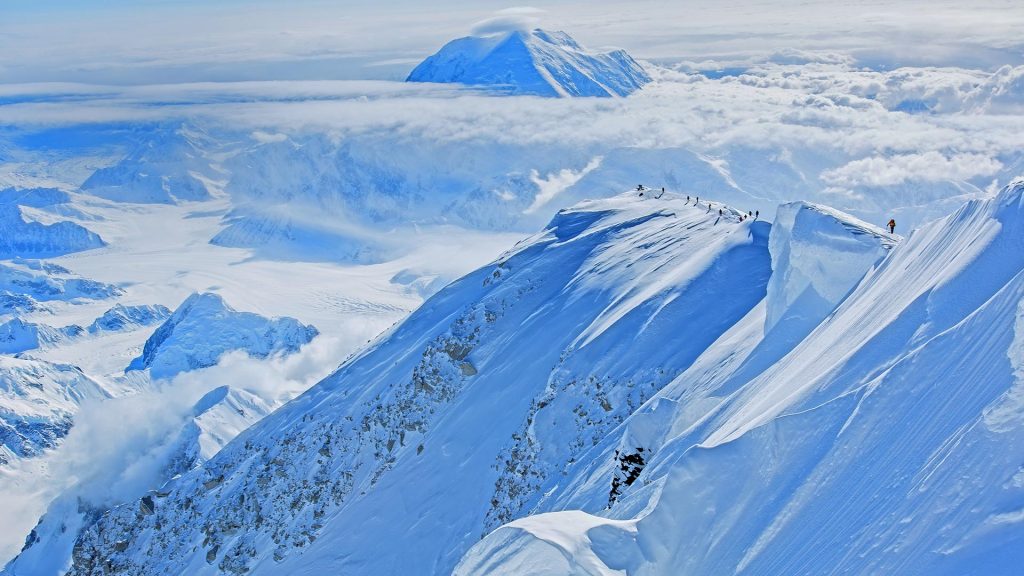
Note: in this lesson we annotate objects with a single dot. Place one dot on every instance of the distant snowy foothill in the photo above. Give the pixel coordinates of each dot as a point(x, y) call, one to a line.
point(536, 62)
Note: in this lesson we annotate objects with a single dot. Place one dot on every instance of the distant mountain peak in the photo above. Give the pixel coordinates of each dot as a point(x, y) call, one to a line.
point(536, 62)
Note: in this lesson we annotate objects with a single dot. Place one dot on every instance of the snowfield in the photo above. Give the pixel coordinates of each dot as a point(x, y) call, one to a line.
point(537, 309)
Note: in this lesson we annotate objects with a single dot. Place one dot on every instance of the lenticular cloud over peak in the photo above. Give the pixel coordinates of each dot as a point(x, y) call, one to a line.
point(520, 19)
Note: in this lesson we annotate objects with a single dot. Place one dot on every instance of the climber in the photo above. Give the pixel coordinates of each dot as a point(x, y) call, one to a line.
point(757, 214)
point(719, 212)
point(687, 198)
point(892, 226)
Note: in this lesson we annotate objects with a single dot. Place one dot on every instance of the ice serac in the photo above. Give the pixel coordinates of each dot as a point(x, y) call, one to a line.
point(533, 62)
point(890, 440)
point(38, 401)
point(204, 327)
point(818, 255)
point(467, 413)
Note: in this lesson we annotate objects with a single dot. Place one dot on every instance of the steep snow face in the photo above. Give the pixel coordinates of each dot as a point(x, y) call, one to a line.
point(540, 63)
point(889, 440)
point(169, 167)
point(25, 238)
point(37, 402)
point(16, 335)
point(469, 411)
point(818, 255)
point(219, 416)
point(204, 327)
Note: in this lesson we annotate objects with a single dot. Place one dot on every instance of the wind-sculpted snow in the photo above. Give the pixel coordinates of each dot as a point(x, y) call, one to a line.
point(888, 441)
point(536, 62)
point(38, 401)
point(204, 327)
point(540, 353)
point(818, 256)
point(21, 237)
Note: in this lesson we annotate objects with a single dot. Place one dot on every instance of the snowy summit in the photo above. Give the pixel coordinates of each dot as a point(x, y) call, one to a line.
point(533, 62)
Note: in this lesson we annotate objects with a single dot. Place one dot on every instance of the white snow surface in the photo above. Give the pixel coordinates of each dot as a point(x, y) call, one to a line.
point(610, 281)
point(818, 255)
point(535, 62)
point(887, 441)
point(204, 327)
point(37, 403)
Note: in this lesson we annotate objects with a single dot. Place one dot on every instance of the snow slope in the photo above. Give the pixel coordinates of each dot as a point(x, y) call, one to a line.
point(22, 237)
point(888, 441)
point(16, 335)
point(37, 403)
point(534, 62)
point(434, 414)
point(204, 327)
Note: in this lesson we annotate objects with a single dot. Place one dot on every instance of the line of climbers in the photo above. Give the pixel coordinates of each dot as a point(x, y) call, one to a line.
point(750, 214)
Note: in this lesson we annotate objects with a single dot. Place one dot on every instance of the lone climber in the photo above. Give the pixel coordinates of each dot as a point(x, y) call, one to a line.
point(892, 226)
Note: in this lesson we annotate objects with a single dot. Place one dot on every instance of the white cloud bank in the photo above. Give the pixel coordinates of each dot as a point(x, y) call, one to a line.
point(930, 166)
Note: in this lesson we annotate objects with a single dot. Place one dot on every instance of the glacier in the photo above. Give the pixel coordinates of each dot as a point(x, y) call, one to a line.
point(535, 62)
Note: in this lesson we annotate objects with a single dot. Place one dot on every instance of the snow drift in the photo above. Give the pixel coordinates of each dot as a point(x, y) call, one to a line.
point(888, 441)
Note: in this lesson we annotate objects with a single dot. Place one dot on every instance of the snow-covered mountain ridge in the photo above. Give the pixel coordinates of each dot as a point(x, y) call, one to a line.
point(694, 392)
point(534, 62)
point(390, 425)
point(887, 441)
